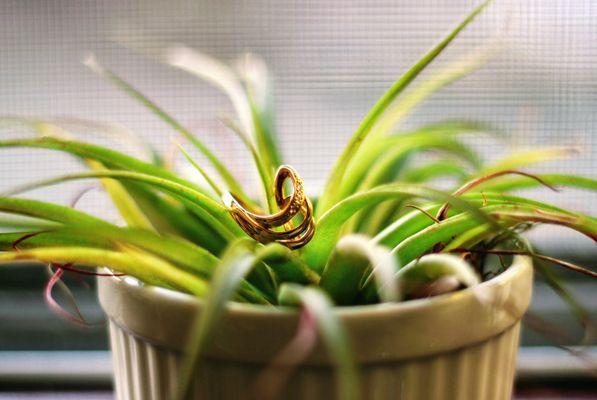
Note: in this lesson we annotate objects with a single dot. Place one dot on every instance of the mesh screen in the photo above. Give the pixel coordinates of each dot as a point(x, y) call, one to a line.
point(331, 61)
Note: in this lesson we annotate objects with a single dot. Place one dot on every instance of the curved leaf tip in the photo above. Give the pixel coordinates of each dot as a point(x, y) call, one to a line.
point(434, 268)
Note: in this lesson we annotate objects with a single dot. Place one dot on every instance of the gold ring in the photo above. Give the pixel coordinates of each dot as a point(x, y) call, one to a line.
point(279, 227)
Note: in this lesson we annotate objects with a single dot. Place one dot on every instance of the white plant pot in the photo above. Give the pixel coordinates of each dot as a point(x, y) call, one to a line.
point(456, 346)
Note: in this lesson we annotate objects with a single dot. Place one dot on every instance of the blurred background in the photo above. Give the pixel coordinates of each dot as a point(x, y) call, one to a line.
point(330, 61)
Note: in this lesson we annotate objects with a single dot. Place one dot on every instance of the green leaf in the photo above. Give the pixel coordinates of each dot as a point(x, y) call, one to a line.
point(436, 136)
point(287, 265)
point(204, 174)
point(414, 221)
point(448, 74)
point(238, 260)
point(424, 240)
point(508, 215)
point(147, 268)
point(373, 220)
point(253, 105)
point(407, 225)
point(124, 202)
point(207, 209)
point(385, 166)
point(265, 139)
point(262, 169)
point(355, 259)
point(430, 268)
point(65, 127)
point(170, 216)
point(186, 255)
point(264, 279)
point(391, 155)
point(581, 223)
point(24, 223)
point(382, 215)
point(436, 169)
point(330, 193)
point(511, 183)
point(330, 225)
point(47, 211)
point(109, 158)
point(177, 251)
point(332, 332)
point(470, 238)
point(226, 175)
point(91, 228)
point(525, 158)
point(55, 238)
point(254, 72)
point(217, 74)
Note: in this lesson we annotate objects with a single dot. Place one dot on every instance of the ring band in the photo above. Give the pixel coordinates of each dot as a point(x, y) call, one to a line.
point(278, 227)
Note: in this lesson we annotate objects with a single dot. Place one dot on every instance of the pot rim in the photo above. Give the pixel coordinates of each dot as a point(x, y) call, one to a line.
point(174, 296)
point(379, 332)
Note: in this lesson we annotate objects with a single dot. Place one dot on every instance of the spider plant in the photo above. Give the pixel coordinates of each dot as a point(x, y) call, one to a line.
point(384, 233)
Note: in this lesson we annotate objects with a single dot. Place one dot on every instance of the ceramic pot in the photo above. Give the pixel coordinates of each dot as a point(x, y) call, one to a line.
point(461, 345)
